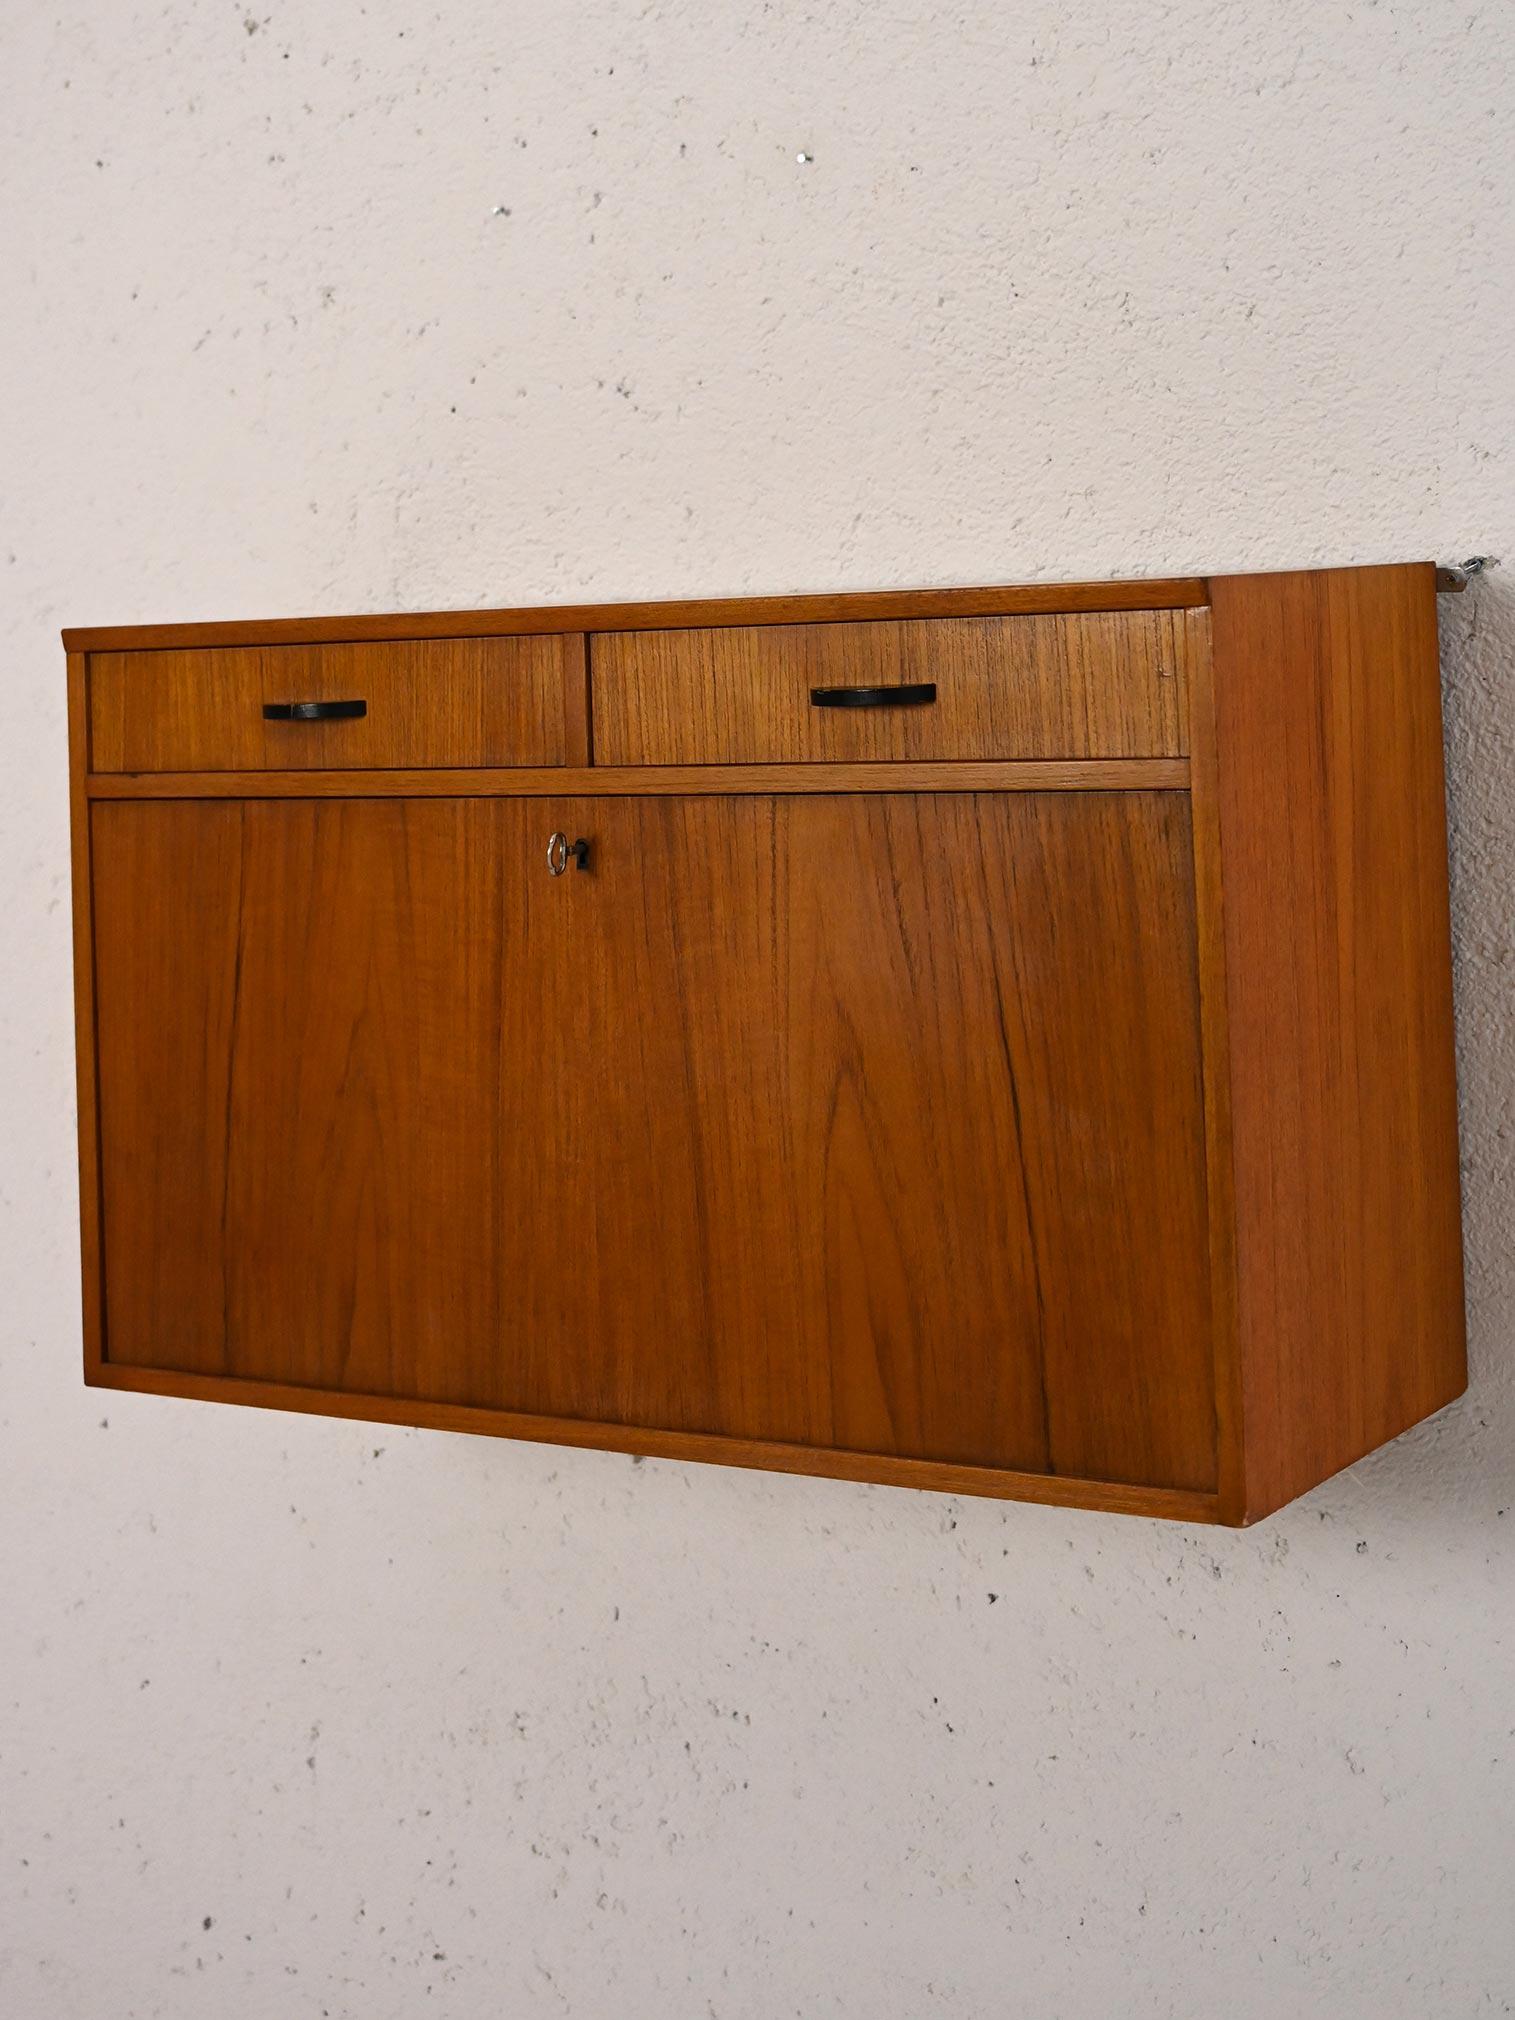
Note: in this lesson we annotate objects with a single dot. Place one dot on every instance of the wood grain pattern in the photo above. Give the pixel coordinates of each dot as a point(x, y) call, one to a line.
point(1173, 592)
point(1076, 775)
point(299, 1014)
point(1216, 1057)
point(1332, 834)
point(1173, 1504)
point(1100, 685)
point(467, 701)
point(847, 1117)
point(769, 1127)
point(578, 704)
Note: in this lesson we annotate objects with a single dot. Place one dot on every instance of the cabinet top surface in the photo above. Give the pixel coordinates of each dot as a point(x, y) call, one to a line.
point(1175, 592)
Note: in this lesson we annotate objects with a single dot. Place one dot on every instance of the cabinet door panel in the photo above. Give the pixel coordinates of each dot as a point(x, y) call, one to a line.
point(883, 1130)
point(866, 1121)
point(299, 1044)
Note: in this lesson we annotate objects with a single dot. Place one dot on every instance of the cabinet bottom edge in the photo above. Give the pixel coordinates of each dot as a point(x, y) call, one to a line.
point(1177, 1504)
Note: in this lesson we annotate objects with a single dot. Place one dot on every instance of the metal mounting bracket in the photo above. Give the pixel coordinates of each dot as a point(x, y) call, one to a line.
point(1454, 578)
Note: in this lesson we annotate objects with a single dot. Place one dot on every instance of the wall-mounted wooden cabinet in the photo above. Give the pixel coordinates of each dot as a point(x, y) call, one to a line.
point(995, 1040)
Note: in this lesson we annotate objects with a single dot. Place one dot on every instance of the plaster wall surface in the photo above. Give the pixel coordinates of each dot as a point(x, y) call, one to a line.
point(371, 306)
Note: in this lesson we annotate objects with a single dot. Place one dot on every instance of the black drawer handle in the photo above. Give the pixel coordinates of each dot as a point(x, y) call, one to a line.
point(912, 695)
point(313, 711)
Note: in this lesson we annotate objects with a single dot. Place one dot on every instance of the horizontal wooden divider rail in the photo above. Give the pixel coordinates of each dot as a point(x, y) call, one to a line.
point(996, 1041)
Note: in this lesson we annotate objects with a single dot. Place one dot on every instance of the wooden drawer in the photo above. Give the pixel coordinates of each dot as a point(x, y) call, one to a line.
point(1101, 685)
point(425, 702)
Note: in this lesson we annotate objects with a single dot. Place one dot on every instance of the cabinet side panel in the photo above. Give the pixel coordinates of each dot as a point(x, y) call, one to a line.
point(1219, 1162)
point(1332, 825)
point(84, 1013)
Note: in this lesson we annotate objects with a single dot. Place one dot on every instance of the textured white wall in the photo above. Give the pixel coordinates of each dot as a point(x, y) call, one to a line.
point(374, 306)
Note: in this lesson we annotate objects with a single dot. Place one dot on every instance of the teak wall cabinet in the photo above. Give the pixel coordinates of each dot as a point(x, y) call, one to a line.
point(994, 1040)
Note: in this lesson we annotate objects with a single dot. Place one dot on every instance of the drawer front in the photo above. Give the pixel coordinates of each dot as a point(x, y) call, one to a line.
point(422, 702)
point(1110, 684)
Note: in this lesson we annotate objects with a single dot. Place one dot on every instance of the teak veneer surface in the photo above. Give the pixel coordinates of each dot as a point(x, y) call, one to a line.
point(1103, 685)
point(1343, 1096)
point(759, 1129)
point(1057, 1102)
point(1176, 1504)
point(1080, 775)
point(1170, 593)
point(462, 701)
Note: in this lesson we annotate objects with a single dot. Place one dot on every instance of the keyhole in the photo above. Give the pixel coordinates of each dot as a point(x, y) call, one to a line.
point(560, 851)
